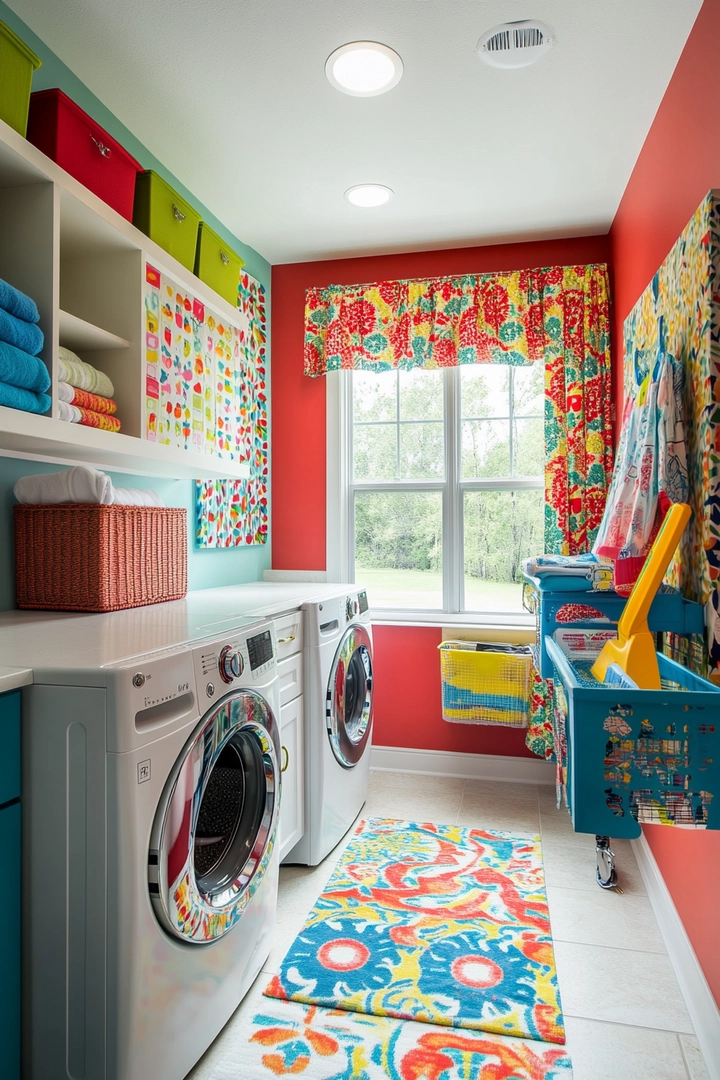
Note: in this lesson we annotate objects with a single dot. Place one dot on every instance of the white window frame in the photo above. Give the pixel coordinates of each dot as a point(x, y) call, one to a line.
point(341, 490)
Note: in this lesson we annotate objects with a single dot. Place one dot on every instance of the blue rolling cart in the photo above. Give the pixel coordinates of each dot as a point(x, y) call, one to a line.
point(637, 756)
point(670, 612)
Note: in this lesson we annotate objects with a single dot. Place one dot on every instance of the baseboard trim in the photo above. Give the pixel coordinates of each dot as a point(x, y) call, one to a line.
point(466, 766)
point(704, 1013)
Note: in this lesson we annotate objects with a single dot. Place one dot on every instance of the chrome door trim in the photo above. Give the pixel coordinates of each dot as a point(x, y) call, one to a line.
point(349, 739)
point(183, 907)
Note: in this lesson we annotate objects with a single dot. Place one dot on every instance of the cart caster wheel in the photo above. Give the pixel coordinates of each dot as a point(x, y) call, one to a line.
point(606, 873)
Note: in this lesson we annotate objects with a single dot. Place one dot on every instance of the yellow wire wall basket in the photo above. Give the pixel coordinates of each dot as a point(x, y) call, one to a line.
point(484, 687)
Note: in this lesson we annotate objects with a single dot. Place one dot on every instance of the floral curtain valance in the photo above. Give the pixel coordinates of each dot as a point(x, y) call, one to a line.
point(557, 315)
point(503, 318)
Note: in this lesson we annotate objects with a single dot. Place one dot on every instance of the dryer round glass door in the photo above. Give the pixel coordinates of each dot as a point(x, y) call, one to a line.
point(215, 826)
point(349, 697)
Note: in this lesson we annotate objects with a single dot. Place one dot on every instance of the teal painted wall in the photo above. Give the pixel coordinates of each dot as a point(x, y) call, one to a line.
point(206, 568)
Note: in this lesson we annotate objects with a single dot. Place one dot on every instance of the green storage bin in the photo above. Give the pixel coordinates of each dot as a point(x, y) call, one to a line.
point(17, 64)
point(166, 217)
point(217, 264)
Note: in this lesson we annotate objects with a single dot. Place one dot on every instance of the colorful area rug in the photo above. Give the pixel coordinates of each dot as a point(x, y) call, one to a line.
point(285, 1038)
point(434, 923)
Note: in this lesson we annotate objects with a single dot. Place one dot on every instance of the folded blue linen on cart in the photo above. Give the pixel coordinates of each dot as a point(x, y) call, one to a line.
point(19, 368)
point(15, 397)
point(17, 303)
point(570, 573)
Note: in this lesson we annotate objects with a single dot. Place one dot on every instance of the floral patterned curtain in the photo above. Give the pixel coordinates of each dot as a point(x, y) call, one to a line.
point(556, 315)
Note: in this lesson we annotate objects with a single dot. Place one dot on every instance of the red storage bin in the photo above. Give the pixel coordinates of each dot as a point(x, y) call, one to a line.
point(60, 128)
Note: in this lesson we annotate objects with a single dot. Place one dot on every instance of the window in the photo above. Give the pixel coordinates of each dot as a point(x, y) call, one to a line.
point(444, 485)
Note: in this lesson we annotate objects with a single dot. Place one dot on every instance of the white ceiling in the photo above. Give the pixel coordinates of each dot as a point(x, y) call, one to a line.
point(232, 97)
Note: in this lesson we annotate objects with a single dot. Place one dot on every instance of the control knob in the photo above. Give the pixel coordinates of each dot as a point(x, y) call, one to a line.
point(350, 608)
point(230, 664)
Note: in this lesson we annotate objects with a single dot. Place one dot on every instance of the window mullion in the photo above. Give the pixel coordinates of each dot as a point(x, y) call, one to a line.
point(452, 511)
point(397, 423)
point(511, 387)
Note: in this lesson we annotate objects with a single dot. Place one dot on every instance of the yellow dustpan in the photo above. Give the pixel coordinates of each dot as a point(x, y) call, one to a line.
point(633, 650)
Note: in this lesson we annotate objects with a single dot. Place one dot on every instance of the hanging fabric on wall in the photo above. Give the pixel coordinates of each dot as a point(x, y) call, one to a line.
point(651, 460)
point(558, 316)
point(685, 294)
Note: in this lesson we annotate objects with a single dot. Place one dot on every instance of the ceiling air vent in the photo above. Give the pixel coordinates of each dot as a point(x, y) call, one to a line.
point(515, 44)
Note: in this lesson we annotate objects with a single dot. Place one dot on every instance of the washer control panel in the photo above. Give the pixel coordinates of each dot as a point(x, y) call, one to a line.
point(230, 663)
point(242, 658)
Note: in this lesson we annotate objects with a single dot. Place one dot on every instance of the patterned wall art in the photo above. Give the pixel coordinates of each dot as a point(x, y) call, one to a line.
point(234, 513)
point(685, 294)
point(231, 513)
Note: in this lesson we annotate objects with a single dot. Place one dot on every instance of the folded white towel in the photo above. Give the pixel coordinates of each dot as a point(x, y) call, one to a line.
point(81, 484)
point(69, 413)
point(66, 393)
point(73, 370)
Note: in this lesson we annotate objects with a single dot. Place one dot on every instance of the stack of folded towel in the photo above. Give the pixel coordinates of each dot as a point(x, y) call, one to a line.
point(85, 394)
point(24, 379)
point(81, 484)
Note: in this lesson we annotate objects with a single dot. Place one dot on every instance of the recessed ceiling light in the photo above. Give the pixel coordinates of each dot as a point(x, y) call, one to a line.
point(364, 68)
point(368, 194)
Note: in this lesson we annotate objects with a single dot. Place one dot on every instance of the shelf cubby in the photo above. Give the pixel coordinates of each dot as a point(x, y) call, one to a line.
point(84, 265)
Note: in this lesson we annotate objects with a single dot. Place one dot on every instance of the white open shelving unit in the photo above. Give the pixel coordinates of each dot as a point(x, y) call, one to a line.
point(84, 266)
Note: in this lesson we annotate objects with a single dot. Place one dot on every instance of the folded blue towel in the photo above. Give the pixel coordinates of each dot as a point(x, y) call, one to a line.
point(17, 303)
point(16, 398)
point(23, 335)
point(18, 368)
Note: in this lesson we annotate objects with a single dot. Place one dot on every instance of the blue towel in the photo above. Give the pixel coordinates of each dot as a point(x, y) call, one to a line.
point(17, 398)
point(23, 335)
point(17, 303)
point(18, 368)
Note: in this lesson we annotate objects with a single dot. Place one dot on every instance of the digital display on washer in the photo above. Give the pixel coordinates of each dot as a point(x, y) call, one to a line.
point(260, 650)
point(363, 602)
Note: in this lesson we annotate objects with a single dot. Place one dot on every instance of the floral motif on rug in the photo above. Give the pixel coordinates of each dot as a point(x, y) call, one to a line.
point(432, 923)
point(286, 1038)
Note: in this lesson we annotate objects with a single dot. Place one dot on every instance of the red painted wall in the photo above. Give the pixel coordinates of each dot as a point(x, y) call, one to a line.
point(678, 165)
point(407, 675)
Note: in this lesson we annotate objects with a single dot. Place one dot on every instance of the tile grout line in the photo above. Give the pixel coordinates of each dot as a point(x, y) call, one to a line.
point(625, 1024)
point(683, 1055)
point(617, 948)
point(613, 948)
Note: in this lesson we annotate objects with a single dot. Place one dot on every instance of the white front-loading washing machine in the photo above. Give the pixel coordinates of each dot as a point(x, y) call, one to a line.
point(150, 800)
point(338, 720)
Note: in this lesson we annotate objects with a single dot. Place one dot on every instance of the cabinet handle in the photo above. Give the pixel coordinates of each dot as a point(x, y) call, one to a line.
point(179, 216)
point(104, 150)
point(225, 259)
point(285, 640)
point(287, 759)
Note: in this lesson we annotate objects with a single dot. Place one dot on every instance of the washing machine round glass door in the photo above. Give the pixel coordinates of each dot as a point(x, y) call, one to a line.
point(216, 822)
point(349, 700)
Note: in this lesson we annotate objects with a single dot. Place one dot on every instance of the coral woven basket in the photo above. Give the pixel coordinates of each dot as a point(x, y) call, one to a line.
point(77, 557)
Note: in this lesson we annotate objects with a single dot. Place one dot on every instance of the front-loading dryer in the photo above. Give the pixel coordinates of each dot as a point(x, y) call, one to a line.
point(151, 809)
point(338, 720)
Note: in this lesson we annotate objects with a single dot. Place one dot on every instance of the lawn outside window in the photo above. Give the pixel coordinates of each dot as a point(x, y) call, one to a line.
point(436, 488)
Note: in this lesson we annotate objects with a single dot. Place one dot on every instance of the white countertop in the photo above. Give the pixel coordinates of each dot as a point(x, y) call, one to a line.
point(54, 641)
point(13, 677)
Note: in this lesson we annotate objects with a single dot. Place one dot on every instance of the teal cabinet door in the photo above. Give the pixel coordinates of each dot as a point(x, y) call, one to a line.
point(10, 943)
point(9, 747)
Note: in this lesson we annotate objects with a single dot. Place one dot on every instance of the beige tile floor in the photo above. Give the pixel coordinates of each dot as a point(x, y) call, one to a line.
point(625, 1015)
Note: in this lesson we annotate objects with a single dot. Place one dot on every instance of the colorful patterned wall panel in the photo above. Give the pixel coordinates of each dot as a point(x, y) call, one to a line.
point(234, 513)
point(685, 294)
point(196, 384)
point(231, 513)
